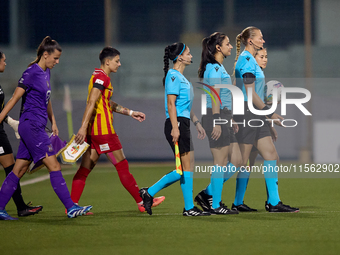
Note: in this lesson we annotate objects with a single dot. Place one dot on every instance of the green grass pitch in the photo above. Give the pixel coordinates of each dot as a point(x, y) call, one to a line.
point(117, 227)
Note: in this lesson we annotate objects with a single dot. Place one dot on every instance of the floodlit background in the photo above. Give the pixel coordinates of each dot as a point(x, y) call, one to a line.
point(301, 38)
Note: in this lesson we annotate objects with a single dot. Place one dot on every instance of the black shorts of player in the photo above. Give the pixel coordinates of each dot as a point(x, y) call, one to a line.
point(227, 135)
point(254, 149)
point(232, 136)
point(184, 142)
point(248, 134)
point(5, 146)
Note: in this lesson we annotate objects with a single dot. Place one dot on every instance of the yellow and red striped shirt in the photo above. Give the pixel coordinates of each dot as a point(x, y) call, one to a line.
point(101, 120)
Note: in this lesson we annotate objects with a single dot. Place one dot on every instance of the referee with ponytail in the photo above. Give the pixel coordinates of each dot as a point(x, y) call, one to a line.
point(249, 75)
point(179, 96)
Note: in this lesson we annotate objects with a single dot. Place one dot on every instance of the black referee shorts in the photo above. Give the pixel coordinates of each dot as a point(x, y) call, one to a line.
point(185, 141)
point(5, 146)
point(248, 134)
point(227, 136)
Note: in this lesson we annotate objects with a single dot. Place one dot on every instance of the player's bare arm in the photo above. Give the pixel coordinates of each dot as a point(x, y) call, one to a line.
point(125, 111)
point(260, 105)
point(198, 125)
point(52, 118)
point(119, 109)
point(173, 117)
point(94, 95)
point(18, 93)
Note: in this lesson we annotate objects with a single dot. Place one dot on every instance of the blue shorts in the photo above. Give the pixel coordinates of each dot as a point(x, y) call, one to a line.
point(34, 142)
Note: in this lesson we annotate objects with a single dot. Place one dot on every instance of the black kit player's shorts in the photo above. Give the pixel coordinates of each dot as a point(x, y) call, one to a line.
point(248, 134)
point(5, 146)
point(227, 135)
point(185, 141)
point(254, 149)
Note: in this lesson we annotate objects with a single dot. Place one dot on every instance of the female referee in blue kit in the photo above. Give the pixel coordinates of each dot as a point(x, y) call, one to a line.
point(249, 75)
point(178, 101)
point(222, 140)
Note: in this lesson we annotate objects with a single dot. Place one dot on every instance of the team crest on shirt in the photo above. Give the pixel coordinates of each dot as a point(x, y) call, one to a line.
point(248, 58)
point(216, 68)
point(50, 148)
point(173, 78)
point(99, 81)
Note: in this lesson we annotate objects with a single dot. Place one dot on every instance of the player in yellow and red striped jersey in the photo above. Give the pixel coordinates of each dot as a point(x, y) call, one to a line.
point(98, 131)
point(101, 121)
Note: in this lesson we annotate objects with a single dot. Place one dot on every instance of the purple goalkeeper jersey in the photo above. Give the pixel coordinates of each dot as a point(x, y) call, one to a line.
point(36, 83)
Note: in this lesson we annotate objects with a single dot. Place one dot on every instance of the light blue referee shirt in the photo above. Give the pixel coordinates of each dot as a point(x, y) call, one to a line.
point(246, 63)
point(216, 74)
point(177, 84)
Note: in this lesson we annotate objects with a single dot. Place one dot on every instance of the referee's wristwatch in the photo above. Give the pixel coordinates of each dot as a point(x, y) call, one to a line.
point(196, 122)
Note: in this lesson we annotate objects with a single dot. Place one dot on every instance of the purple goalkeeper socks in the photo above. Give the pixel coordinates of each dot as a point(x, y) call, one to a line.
point(60, 188)
point(7, 189)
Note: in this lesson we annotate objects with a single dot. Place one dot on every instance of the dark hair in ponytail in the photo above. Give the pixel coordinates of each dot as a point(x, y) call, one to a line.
point(47, 45)
point(208, 51)
point(170, 53)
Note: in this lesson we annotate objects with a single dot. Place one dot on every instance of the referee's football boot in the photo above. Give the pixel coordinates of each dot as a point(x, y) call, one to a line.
point(77, 210)
point(242, 208)
point(223, 209)
point(282, 208)
point(266, 205)
point(195, 212)
point(29, 210)
point(204, 200)
point(5, 216)
point(147, 199)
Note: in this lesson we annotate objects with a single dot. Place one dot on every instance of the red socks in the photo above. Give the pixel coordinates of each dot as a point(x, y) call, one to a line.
point(127, 179)
point(78, 183)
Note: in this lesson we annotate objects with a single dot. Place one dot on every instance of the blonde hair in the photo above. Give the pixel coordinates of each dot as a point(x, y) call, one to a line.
point(243, 37)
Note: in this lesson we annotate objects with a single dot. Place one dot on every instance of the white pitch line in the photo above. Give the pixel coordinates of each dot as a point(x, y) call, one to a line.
point(35, 180)
point(44, 178)
point(47, 176)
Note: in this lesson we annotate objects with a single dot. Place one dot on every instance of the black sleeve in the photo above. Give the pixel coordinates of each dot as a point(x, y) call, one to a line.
point(21, 85)
point(248, 78)
point(99, 86)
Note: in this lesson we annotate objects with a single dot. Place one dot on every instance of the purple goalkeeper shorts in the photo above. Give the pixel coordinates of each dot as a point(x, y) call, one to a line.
point(34, 142)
